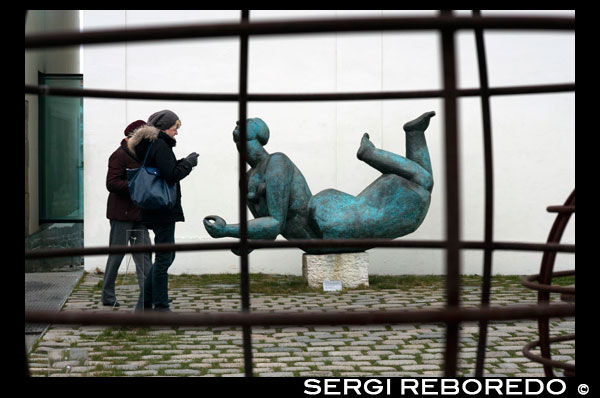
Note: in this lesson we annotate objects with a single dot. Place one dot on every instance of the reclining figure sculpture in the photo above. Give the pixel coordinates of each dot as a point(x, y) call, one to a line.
point(394, 205)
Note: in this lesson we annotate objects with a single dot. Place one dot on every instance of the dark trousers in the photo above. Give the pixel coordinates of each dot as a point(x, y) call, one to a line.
point(156, 288)
point(121, 234)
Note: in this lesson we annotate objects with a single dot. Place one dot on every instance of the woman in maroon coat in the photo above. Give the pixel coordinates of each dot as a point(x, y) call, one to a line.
point(124, 216)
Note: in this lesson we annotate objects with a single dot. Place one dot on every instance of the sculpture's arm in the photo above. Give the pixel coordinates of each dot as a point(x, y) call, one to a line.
point(259, 228)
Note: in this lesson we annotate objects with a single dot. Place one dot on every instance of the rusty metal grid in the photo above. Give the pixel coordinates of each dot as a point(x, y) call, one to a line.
point(447, 24)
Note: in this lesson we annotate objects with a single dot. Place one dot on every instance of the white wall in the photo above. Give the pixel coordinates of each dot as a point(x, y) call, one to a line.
point(533, 135)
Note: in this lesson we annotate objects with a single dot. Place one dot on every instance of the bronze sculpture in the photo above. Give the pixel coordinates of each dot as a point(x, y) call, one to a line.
point(394, 205)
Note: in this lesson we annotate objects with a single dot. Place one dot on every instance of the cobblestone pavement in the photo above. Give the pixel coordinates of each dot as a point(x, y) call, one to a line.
point(322, 351)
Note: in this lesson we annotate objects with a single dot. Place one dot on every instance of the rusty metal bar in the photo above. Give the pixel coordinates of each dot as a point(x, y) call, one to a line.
point(308, 26)
point(561, 209)
point(550, 363)
point(451, 158)
point(527, 281)
point(295, 243)
point(241, 318)
point(489, 194)
point(243, 212)
point(545, 278)
point(275, 97)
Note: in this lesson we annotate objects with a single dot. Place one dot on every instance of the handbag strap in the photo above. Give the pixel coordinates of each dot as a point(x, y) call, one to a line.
point(147, 152)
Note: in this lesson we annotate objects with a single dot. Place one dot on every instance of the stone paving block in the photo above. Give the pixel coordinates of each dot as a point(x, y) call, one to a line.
point(282, 349)
point(270, 354)
point(214, 360)
point(163, 366)
point(288, 359)
point(200, 365)
point(317, 349)
point(508, 365)
point(377, 368)
point(330, 358)
point(167, 352)
point(276, 374)
point(353, 363)
point(122, 367)
point(231, 365)
point(182, 372)
point(222, 371)
point(420, 367)
point(362, 342)
point(270, 365)
point(307, 363)
point(397, 362)
point(336, 367)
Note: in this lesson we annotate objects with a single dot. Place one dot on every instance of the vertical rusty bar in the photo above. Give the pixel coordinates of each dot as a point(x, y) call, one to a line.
point(244, 274)
point(26, 362)
point(452, 193)
point(489, 193)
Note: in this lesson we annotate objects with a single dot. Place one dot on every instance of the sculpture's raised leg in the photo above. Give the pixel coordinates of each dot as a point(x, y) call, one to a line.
point(416, 166)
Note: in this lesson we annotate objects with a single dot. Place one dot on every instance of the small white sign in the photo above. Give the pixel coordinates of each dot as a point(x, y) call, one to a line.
point(332, 286)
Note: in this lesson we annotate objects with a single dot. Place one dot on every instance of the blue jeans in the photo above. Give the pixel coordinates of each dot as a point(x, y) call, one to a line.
point(157, 281)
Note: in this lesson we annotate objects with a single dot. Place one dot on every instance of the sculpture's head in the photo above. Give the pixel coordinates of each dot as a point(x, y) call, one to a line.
point(256, 129)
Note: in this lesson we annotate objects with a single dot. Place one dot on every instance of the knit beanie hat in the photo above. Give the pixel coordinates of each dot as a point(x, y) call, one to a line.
point(133, 126)
point(163, 120)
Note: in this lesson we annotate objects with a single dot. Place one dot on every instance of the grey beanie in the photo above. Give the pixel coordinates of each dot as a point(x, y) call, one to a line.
point(163, 120)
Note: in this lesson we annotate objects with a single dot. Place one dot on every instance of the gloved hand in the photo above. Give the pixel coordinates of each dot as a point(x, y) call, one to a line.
point(192, 158)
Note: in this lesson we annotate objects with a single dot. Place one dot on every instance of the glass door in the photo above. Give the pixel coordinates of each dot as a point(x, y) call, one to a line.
point(61, 152)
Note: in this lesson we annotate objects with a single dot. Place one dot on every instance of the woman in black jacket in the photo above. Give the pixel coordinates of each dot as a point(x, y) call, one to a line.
point(156, 140)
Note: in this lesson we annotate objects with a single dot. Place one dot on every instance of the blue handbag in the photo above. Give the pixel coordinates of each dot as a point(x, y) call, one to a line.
point(148, 190)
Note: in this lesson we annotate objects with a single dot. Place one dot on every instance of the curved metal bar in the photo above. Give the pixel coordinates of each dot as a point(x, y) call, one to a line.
point(527, 281)
point(545, 278)
point(550, 362)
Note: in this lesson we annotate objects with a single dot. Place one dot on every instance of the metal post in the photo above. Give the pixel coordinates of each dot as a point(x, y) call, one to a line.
point(489, 194)
point(452, 193)
point(245, 278)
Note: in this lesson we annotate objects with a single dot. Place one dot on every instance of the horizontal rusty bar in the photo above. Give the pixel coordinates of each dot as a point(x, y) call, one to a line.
point(45, 90)
point(340, 25)
point(243, 318)
point(282, 244)
point(178, 96)
point(561, 209)
point(528, 281)
point(551, 247)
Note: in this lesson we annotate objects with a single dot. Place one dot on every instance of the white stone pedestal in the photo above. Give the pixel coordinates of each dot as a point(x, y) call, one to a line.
point(350, 268)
